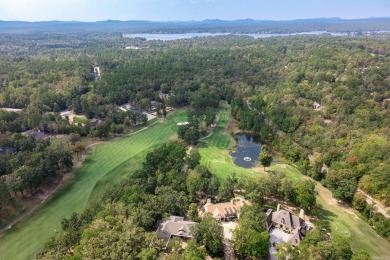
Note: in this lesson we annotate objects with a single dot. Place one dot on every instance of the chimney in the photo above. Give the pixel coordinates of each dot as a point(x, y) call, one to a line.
point(208, 201)
point(302, 214)
point(278, 208)
point(232, 201)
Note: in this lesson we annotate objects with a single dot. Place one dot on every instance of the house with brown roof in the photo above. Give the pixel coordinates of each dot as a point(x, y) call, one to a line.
point(285, 220)
point(175, 227)
point(227, 210)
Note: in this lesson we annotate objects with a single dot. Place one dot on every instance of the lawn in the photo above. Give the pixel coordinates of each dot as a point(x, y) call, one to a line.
point(106, 165)
point(80, 120)
point(346, 223)
point(214, 149)
point(343, 220)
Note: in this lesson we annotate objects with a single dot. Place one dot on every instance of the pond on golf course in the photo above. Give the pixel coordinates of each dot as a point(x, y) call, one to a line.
point(247, 151)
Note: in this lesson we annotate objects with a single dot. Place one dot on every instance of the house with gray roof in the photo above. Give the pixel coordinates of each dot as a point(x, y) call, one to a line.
point(5, 150)
point(175, 227)
point(37, 135)
point(285, 220)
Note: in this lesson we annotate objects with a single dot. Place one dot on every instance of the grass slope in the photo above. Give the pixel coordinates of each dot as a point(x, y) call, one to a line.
point(105, 166)
point(213, 149)
point(343, 220)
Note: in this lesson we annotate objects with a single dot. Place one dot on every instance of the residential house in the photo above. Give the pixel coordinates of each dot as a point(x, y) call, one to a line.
point(289, 222)
point(227, 210)
point(163, 96)
point(37, 135)
point(95, 122)
point(175, 227)
point(4, 150)
point(154, 105)
point(316, 106)
point(96, 71)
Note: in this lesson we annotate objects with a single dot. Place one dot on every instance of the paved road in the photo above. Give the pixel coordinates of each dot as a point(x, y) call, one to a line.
point(377, 204)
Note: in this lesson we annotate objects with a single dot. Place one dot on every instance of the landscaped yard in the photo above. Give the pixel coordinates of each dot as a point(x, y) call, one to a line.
point(106, 165)
point(80, 120)
point(343, 220)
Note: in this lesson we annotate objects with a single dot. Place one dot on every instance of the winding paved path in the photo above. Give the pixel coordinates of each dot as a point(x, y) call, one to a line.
point(377, 204)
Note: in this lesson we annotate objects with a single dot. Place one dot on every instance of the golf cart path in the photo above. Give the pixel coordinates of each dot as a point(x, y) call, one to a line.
point(376, 203)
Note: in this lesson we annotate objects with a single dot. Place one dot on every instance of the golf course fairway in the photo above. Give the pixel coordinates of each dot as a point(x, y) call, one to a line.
point(104, 167)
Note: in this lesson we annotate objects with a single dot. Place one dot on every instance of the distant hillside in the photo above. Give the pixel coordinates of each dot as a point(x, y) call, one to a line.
point(233, 26)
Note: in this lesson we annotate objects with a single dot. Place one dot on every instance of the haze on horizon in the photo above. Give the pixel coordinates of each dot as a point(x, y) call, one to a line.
point(185, 10)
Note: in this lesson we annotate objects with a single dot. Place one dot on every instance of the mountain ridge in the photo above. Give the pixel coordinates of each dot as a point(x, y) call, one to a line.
point(208, 25)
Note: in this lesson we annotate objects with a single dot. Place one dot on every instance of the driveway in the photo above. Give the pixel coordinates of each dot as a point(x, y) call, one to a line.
point(277, 236)
point(228, 228)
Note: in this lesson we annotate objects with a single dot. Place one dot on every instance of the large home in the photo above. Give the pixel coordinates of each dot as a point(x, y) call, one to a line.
point(227, 210)
point(289, 222)
point(175, 227)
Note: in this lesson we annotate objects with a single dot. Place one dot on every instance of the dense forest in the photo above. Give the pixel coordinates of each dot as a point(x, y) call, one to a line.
point(321, 102)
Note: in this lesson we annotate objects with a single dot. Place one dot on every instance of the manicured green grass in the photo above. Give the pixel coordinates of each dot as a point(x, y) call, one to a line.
point(343, 221)
point(80, 120)
point(340, 229)
point(219, 162)
point(213, 149)
point(290, 172)
point(107, 164)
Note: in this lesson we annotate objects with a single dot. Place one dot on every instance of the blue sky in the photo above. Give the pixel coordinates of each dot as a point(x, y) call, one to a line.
point(169, 10)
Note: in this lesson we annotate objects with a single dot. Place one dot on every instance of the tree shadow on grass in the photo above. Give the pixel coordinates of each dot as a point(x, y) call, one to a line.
point(202, 144)
point(323, 219)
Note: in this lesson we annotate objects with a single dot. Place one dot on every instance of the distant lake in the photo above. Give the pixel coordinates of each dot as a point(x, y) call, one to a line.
point(247, 151)
point(177, 36)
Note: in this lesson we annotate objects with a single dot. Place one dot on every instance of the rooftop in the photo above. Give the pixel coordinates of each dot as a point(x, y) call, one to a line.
point(285, 220)
point(226, 209)
point(175, 226)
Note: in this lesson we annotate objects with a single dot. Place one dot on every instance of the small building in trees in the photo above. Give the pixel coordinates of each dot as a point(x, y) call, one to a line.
point(227, 210)
point(96, 121)
point(37, 135)
point(175, 227)
point(163, 96)
point(96, 71)
point(285, 220)
point(154, 105)
point(316, 106)
point(5, 150)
